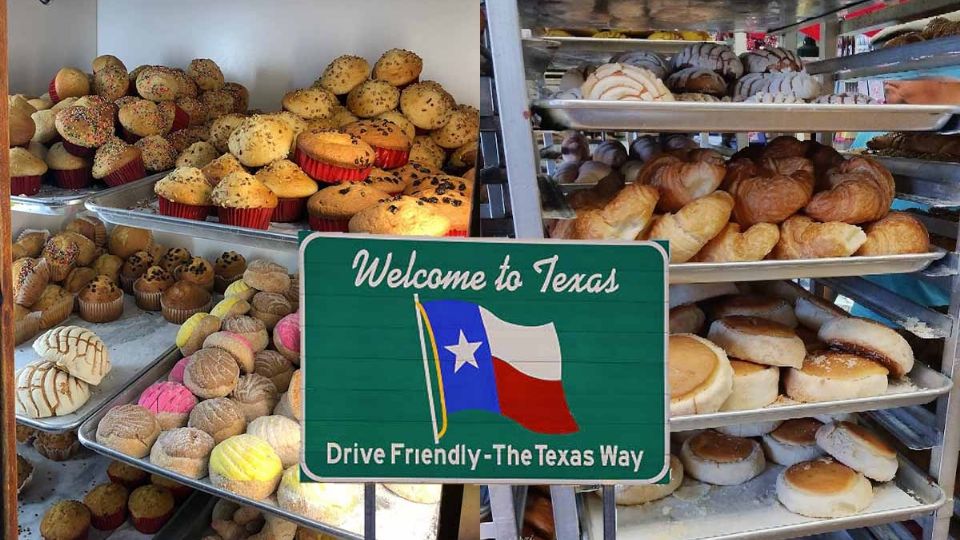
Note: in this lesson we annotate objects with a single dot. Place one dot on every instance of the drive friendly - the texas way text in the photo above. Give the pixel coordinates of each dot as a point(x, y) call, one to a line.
point(501, 455)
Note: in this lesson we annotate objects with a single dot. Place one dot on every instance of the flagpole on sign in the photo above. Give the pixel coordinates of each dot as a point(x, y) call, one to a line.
point(426, 368)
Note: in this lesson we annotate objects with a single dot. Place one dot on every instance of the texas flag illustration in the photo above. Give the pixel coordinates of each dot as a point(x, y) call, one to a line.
point(486, 363)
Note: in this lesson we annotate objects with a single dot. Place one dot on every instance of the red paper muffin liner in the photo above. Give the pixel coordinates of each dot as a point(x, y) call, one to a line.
point(329, 225)
point(126, 174)
point(181, 119)
point(181, 210)
point(391, 159)
point(25, 185)
point(52, 90)
point(459, 232)
point(108, 522)
point(331, 174)
point(72, 179)
point(150, 525)
point(129, 136)
point(77, 150)
point(289, 210)
point(253, 218)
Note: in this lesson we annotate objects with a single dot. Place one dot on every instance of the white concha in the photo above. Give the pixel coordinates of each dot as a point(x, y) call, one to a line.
point(44, 391)
point(624, 82)
point(76, 350)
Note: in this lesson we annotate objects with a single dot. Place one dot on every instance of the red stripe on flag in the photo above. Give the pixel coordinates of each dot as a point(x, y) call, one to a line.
point(535, 404)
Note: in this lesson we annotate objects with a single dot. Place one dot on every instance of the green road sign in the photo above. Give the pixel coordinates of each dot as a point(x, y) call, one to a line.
point(483, 361)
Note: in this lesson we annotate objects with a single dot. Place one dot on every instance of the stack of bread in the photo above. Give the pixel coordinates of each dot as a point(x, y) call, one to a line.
point(790, 199)
point(928, 146)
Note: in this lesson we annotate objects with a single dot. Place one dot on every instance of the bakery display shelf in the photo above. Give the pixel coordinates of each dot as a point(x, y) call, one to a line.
point(913, 426)
point(934, 183)
point(572, 51)
point(685, 117)
point(52, 200)
point(922, 385)
point(752, 511)
point(133, 342)
point(393, 513)
point(135, 205)
point(922, 55)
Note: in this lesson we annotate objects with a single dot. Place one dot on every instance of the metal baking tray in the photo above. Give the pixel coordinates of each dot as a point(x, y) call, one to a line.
point(132, 340)
point(934, 183)
point(135, 205)
point(52, 200)
point(394, 515)
point(688, 117)
point(921, 385)
point(611, 46)
point(752, 511)
point(192, 519)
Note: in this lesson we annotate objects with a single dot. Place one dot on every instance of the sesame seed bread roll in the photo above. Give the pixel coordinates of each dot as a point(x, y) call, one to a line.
point(758, 340)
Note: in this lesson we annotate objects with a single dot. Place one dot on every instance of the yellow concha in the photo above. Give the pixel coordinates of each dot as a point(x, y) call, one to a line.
point(188, 327)
point(245, 457)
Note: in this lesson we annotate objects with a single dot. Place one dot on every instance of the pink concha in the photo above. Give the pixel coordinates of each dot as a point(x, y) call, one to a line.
point(287, 331)
point(176, 374)
point(169, 397)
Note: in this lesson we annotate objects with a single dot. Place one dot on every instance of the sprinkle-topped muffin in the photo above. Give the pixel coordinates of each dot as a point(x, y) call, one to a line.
point(344, 73)
point(117, 163)
point(148, 288)
point(244, 201)
point(463, 127)
point(333, 157)
point(425, 151)
point(84, 128)
point(157, 153)
point(140, 118)
point(219, 168)
point(184, 193)
point(157, 84)
point(292, 187)
point(111, 83)
point(427, 104)
point(100, 301)
point(398, 67)
point(198, 155)
point(386, 139)
point(313, 102)
point(260, 139)
point(331, 208)
point(371, 98)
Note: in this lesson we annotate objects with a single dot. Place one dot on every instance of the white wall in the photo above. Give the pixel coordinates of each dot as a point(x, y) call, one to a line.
point(272, 46)
point(42, 39)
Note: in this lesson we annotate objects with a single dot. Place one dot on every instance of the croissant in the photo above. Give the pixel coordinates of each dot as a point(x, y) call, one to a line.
point(623, 218)
point(803, 238)
point(895, 234)
point(776, 191)
point(597, 196)
point(861, 190)
point(784, 146)
point(823, 158)
point(731, 245)
point(694, 225)
point(682, 176)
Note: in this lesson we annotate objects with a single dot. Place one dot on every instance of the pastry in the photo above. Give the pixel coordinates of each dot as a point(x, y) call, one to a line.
point(620, 82)
point(771, 309)
point(219, 417)
point(125, 241)
point(770, 60)
point(292, 401)
point(690, 293)
point(270, 308)
point(30, 243)
point(107, 503)
point(427, 105)
point(331, 208)
point(754, 386)
point(716, 458)
point(693, 225)
point(731, 245)
point(389, 182)
point(150, 507)
point(149, 287)
point(281, 433)
point(127, 476)
point(860, 449)
point(823, 488)
point(793, 441)
point(235, 344)
point(54, 306)
point(251, 329)
point(183, 450)
point(275, 367)
point(140, 118)
point(259, 140)
point(835, 375)
point(26, 171)
point(626, 495)
point(803, 238)
point(797, 84)
point(644, 59)
point(175, 258)
point(687, 319)
point(60, 254)
point(198, 155)
point(245, 465)
point(133, 268)
point(205, 73)
point(699, 374)
point(176, 374)
point(813, 312)
point(84, 128)
point(896, 233)
point(624, 217)
point(182, 300)
point(462, 128)
point(76, 350)
point(314, 102)
point(871, 339)
point(230, 307)
point(758, 340)
point(712, 56)
point(57, 446)
point(769, 191)
point(220, 130)
point(683, 176)
point(860, 190)
point(256, 395)
point(211, 373)
point(170, 402)
point(286, 337)
point(184, 193)
point(65, 520)
point(325, 502)
point(30, 277)
point(239, 289)
point(100, 301)
point(156, 83)
point(292, 187)
point(26, 324)
point(228, 268)
point(198, 271)
point(128, 429)
point(697, 80)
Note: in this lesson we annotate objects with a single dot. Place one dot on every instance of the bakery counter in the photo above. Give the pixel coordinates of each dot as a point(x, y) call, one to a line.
point(751, 510)
point(396, 517)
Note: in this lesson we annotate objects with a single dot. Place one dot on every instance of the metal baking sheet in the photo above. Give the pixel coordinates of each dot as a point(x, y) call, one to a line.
point(752, 511)
point(52, 200)
point(612, 46)
point(934, 183)
point(921, 385)
point(396, 518)
point(135, 205)
point(132, 340)
point(688, 117)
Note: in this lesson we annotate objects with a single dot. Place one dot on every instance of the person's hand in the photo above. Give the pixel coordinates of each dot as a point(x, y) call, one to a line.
point(933, 91)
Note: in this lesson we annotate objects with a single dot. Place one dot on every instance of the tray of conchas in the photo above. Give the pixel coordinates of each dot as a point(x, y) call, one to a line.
point(785, 210)
point(222, 414)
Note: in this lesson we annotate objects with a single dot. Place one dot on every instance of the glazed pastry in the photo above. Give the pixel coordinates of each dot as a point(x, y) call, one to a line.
point(100, 301)
point(895, 234)
point(861, 190)
point(251, 329)
point(230, 307)
point(219, 417)
point(266, 276)
point(682, 176)
point(803, 238)
point(255, 395)
point(713, 56)
point(198, 271)
point(235, 344)
point(771, 60)
point(170, 402)
point(694, 225)
point(182, 300)
point(286, 337)
point(184, 451)
point(697, 80)
point(270, 308)
point(176, 374)
point(30, 278)
point(643, 59)
point(275, 367)
point(76, 350)
point(211, 373)
point(245, 465)
point(769, 191)
point(798, 84)
point(624, 82)
point(129, 429)
point(731, 245)
point(281, 433)
point(326, 502)
point(149, 287)
point(773, 97)
point(44, 391)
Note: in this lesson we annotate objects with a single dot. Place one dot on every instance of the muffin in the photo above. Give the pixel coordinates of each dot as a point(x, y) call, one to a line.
point(463, 127)
point(244, 201)
point(220, 168)
point(424, 150)
point(184, 193)
point(107, 503)
point(170, 402)
point(221, 418)
point(218, 103)
point(260, 139)
point(57, 446)
point(55, 305)
point(371, 98)
point(124, 241)
point(414, 172)
point(292, 187)
point(275, 367)
point(26, 324)
point(464, 158)
point(140, 118)
point(128, 429)
point(183, 299)
point(331, 208)
point(157, 153)
point(245, 465)
point(251, 329)
point(307, 103)
point(105, 61)
point(230, 307)
point(194, 330)
point(281, 433)
point(286, 337)
point(398, 119)
point(68, 82)
point(45, 127)
point(127, 476)
point(240, 94)
point(65, 520)
point(239, 289)
point(388, 141)
point(343, 74)
point(134, 267)
point(100, 301)
point(211, 373)
point(452, 204)
point(427, 104)
point(179, 491)
point(193, 108)
point(205, 73)
point(117, 163)
point(149, 287)
point(197, 271)
point(89, 226)
point(389, 182)
point(84, 128)
point(184, 451)
point(157, 84)
point(30, 243)
point(108, 265)
point(24, 473)
point(78, 278)
point(402, 216)
point(326, 502)
point(174, 258)
point(398, 67)
point(221, 128)
point(198, 155)
point(228, 268)
point(26, 171)
point(150, 508)
point(30, 277)
point(439, 182)
point(60, 253)
point(21, 127)
point(333, 157)
point(25, 434)
point(68, 171)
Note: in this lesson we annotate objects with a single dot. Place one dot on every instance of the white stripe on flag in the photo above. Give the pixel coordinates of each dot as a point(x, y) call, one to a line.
point(534, 350)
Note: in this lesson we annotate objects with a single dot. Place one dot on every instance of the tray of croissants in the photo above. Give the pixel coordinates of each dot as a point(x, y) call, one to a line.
point(788, 209)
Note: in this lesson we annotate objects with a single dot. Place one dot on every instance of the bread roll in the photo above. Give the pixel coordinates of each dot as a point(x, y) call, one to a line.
point(642, 494)
point(77, 351)
point(794, 441)
point(715, 458)
point(700, 375)
point(694, 225)
point(755, 429)
point(731, 245)
point(771, 309)
point(754, 386)
point(686, 319)
point(823, 488)
point(758, 340)
point(895, 234)
point(803, 238)
point(689, 293)
point(870, 339)
point(814, 312)
point(834, 375)
point(860, 449)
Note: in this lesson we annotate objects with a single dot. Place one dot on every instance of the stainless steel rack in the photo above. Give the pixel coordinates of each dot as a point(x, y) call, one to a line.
point(514, 158)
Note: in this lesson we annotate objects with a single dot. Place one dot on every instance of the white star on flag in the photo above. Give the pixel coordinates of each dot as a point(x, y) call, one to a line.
point(464, 351)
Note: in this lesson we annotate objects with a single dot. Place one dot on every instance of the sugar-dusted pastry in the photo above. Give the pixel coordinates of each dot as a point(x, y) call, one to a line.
point(170, 402)
point(129, 429)
point(245, 465)
point(731, 245)
point(803, 238)
point(693, 225)
point(326, 502)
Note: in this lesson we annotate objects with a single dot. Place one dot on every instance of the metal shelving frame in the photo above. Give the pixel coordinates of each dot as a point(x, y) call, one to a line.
point(512, 156)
